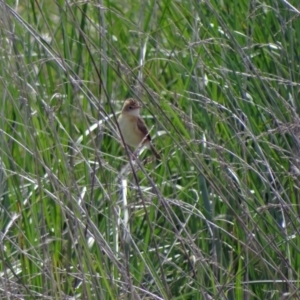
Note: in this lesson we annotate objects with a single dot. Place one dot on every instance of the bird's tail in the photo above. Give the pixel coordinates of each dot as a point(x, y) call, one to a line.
point(155, 152)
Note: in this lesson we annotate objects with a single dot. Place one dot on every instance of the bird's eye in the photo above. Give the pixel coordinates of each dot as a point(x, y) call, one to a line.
point(130, 107)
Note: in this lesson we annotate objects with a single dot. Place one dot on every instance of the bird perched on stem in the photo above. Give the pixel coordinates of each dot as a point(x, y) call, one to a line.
point(133, 127)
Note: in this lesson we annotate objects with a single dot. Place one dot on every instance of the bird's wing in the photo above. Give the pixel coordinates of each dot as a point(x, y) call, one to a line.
point(142, 127)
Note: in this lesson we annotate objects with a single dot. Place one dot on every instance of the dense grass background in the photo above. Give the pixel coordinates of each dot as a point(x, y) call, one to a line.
point(218, 217)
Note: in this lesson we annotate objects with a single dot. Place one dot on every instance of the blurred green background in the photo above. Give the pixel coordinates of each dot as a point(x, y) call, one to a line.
point(217, 217)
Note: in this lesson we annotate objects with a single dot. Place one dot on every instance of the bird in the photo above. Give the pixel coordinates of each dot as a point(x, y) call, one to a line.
point(133, 128)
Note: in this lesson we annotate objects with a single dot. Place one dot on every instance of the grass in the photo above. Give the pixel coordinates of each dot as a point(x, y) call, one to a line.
point(217, 217)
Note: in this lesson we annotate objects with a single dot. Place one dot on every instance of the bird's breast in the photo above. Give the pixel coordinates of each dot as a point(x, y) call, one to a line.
point(128, 126)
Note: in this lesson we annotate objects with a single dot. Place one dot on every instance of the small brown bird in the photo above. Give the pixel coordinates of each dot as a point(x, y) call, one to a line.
point(133, 127)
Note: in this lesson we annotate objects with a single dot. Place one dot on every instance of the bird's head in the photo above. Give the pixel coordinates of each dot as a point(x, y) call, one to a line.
point(131, 107)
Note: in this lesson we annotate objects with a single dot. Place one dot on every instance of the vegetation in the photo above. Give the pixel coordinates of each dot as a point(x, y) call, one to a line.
point(217, 217)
